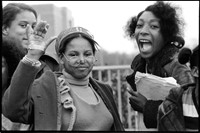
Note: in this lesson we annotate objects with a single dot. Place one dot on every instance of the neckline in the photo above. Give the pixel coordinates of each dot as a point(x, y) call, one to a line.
point(95, 94)
point(77, 82)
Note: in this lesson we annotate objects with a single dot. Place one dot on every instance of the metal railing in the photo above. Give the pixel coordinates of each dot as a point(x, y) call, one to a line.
point(115, 76)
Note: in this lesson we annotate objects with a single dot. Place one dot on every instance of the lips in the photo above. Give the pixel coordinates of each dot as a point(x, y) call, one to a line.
point(145, 45)
point(82, 67)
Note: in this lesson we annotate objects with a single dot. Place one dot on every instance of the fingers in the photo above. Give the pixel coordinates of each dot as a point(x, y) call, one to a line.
point(41, 28)
point(133, 93)
point(135, 104)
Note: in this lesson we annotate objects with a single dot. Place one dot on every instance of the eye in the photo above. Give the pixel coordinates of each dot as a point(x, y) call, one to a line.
point(72, 54)
point(88, 54)
point(154, 26)
point(23, 25)
point(139, 25)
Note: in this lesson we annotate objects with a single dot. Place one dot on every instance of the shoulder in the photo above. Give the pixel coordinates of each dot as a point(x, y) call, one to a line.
point(101, 85)
point(98, 82)
point(138, 61)
point(178, 91)
point(50, 61)
point(175, 66)
point(46, 76)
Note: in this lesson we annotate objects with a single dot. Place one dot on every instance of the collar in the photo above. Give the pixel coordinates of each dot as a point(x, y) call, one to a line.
point(78, 82)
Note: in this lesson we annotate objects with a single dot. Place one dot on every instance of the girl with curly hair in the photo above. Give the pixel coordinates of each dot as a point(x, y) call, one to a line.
point(157, 31)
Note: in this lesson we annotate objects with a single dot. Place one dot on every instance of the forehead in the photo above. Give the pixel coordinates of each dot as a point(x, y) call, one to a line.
point(148, 16)
point(25, 16)
point(79, 44)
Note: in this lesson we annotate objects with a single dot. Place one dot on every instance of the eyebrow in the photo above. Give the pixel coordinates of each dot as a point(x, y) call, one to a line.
point(152, 20)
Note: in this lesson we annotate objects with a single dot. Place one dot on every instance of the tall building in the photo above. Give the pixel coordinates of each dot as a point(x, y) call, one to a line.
point(59, 18)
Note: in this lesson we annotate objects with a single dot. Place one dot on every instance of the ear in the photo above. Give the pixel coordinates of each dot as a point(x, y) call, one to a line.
point(195, 71)
point(4, 30)
point(61, 60)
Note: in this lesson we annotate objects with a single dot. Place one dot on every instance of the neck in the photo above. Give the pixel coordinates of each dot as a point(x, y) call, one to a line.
point(74, 81)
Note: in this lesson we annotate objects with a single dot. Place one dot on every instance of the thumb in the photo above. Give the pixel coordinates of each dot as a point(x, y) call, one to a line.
point(28, 31)
point(50, 40)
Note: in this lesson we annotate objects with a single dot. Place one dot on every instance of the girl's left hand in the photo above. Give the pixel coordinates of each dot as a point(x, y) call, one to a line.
point(137, 101)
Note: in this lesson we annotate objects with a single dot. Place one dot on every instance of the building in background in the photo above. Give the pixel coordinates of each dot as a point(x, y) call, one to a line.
point(59, 18)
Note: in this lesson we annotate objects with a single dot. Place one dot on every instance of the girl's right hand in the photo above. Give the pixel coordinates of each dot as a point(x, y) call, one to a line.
point(37, 45)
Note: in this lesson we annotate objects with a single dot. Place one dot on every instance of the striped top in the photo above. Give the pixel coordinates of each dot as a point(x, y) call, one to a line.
point(190, 109)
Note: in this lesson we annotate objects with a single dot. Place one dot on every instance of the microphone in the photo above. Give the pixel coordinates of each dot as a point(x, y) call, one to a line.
point(184, 55)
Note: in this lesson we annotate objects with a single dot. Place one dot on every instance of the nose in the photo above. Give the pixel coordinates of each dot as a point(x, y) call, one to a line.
point(82, 59)
point(144, 30)
point(31, 29)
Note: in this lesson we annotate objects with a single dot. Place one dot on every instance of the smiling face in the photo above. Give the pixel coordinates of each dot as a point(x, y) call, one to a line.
point(148, 35)
point(78, 58)
point(17, 29)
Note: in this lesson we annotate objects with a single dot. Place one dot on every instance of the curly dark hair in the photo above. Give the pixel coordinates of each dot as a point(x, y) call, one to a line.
point(13, 52)
point(170, 21)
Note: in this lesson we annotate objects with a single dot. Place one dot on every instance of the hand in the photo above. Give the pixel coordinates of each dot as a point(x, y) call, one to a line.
point(137, 100)
point(37, 45)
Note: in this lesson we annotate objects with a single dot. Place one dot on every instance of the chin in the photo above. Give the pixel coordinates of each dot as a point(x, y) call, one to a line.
point(146, 56)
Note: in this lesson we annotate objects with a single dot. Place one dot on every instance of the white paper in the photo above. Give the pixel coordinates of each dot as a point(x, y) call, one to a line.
point(154, 87)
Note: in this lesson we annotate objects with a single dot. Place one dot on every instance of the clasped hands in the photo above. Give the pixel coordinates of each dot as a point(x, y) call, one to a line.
point(137, 100)
point(37, 46)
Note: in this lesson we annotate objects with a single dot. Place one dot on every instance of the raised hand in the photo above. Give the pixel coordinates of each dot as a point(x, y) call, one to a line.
point(37, 45)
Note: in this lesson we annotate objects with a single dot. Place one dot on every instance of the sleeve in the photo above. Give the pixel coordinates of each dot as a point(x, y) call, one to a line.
point(16, 102)
point(150, 113)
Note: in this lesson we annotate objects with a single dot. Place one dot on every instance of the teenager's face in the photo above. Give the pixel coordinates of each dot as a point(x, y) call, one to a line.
point(18, 26)
point(148, 35)
point(78, 58)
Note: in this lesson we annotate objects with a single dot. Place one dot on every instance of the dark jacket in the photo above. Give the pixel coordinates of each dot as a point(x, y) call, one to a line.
point(170, 112)
point(13, 52)
point(164, 64)
point(38, 103)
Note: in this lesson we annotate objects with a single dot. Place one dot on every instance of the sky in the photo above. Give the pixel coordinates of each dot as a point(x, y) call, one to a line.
point(106, 20)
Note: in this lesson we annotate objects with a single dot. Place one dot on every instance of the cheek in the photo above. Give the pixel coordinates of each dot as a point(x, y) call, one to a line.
point(17, 32)
point(159, 43)
point(136, 35)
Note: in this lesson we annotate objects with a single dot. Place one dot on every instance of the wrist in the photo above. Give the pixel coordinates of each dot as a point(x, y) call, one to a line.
point(33, 55)
point(31, 61)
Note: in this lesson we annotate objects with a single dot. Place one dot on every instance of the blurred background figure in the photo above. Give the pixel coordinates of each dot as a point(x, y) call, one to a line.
point(180, 110)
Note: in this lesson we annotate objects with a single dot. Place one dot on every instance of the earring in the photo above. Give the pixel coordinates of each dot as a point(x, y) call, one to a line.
point(4, 32)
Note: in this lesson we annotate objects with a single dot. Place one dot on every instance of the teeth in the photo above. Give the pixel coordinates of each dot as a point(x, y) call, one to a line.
point(144, 41)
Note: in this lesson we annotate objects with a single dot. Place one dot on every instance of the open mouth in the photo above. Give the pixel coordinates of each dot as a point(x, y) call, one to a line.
point(145, 45)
